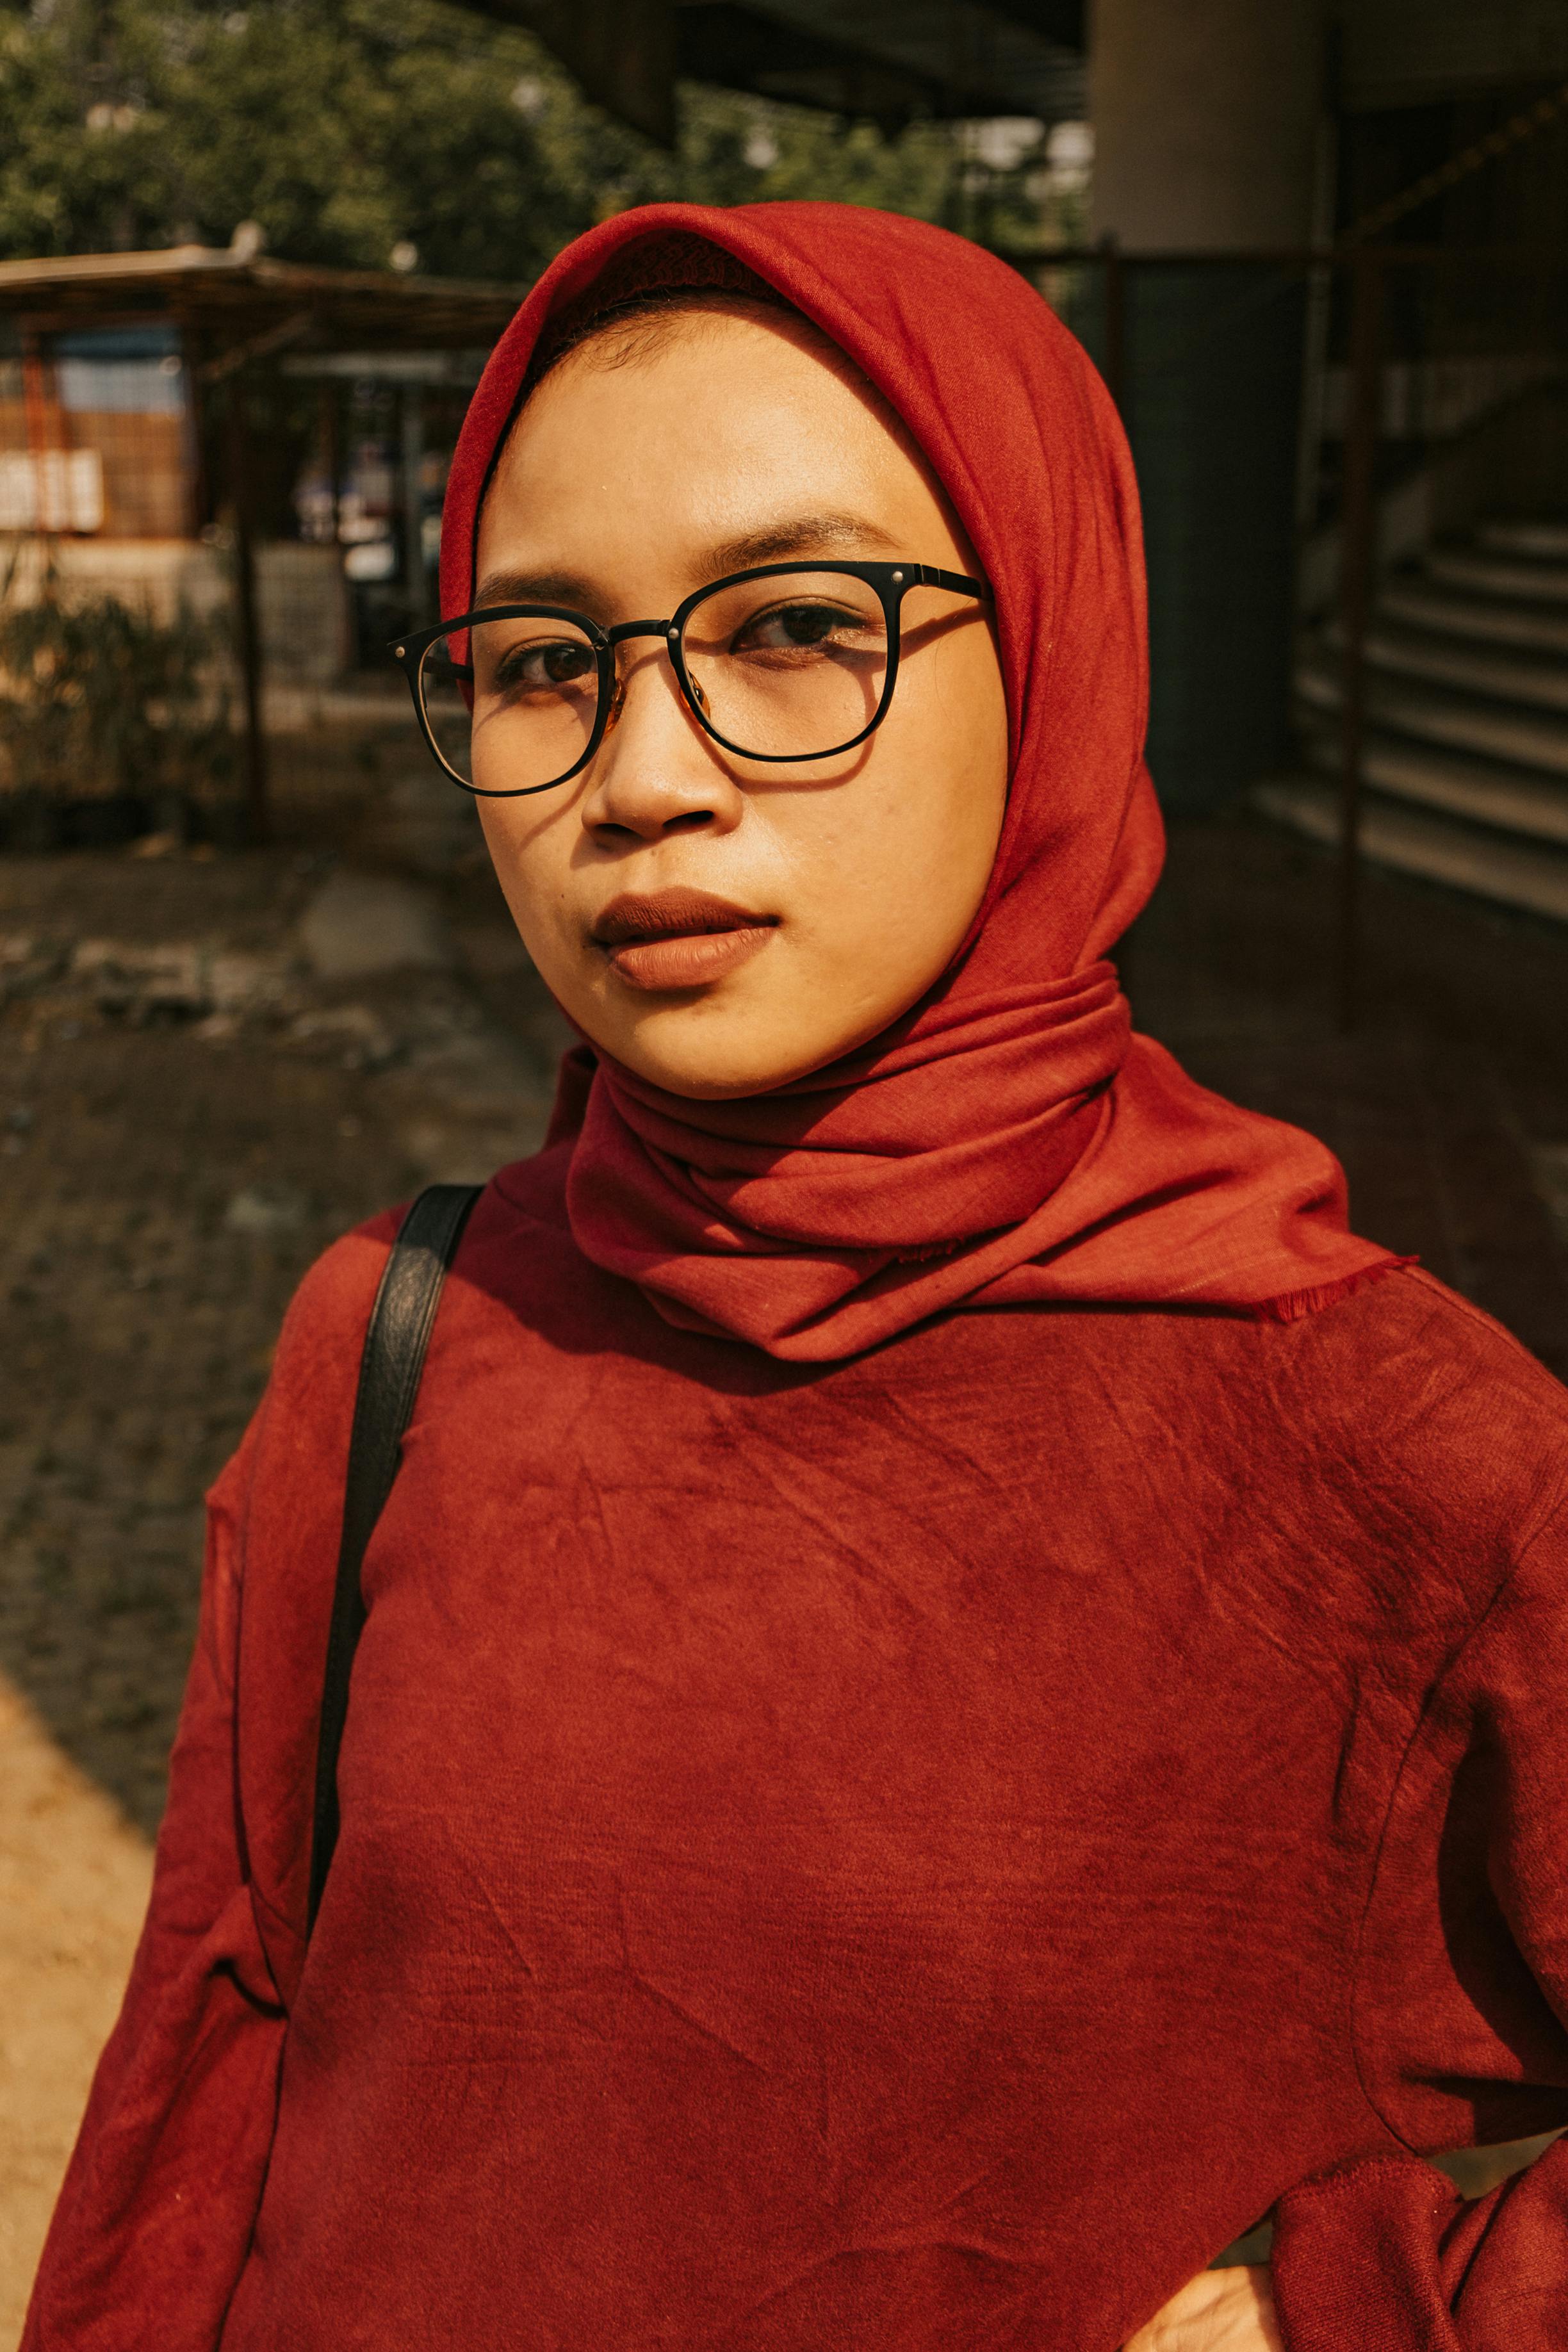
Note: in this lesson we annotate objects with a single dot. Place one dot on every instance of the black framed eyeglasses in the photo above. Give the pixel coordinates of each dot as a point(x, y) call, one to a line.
point(784, 661)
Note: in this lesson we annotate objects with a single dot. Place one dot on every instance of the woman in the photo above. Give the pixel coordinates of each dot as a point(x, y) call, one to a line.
point(959, 1695)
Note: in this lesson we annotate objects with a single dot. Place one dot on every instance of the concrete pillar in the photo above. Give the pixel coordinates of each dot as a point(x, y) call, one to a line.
point(1207, 119)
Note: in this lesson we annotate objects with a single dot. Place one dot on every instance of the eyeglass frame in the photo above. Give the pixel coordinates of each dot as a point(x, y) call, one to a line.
point(892, 583)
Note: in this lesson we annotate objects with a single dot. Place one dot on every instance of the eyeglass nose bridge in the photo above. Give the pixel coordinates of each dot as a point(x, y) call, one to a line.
point(668, 629)
point(624, 629)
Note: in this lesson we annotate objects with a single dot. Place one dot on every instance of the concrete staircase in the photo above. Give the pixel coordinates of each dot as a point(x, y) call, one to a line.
point(1466, 762)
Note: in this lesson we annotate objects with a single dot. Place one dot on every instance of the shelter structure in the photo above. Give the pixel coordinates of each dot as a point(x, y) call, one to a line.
point(248, 449)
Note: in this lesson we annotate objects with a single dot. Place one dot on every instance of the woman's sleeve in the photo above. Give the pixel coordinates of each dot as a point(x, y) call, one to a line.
point(155, 2215)
point(1461, 2018)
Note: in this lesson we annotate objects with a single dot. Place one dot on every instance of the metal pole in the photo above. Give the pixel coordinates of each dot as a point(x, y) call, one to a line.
point(1358, 531)
point(1115, 367)
point(413, 505)
point(331, 449)
point(197, 431)
point(45, 427)
point(38, 407)
point(248, 631)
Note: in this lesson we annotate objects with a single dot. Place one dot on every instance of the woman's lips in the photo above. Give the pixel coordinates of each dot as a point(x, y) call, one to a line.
point(690, 960)
point(679, 938)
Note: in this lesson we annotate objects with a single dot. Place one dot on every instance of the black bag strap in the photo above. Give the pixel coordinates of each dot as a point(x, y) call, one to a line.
point(395, 1339)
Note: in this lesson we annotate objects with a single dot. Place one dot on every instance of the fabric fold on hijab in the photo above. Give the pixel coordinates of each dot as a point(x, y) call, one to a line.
point(1011, 1138)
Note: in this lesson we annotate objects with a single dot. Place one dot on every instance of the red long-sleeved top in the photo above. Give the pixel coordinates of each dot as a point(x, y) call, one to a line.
point(919, 1852)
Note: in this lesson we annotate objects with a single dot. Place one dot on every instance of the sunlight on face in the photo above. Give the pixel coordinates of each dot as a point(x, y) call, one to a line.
point(843, 885)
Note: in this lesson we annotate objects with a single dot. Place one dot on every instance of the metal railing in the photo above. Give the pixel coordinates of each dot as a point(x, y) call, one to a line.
point(1406, 351)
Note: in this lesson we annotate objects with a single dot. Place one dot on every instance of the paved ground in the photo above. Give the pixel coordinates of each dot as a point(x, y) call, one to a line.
point(192, 1102)
point(1447, 1104)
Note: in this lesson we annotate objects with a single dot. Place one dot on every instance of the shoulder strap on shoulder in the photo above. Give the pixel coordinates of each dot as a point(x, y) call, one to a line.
point(395, 1339)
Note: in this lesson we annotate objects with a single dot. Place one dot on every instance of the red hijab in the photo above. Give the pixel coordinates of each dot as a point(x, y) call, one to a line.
point(1010, 1138)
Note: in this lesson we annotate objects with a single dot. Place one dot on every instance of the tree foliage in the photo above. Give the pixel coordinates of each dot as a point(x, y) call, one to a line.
point(349, 131)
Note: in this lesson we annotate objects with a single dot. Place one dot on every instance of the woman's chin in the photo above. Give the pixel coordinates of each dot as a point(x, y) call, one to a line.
point(744, 1035)
point(730, 1041)
point(722, 1081)
point(706, 1058)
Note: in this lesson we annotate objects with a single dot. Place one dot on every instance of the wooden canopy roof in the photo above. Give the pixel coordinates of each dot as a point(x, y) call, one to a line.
point(246, 307)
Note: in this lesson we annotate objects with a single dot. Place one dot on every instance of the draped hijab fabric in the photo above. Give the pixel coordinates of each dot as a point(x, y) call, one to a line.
point(1010, 1138)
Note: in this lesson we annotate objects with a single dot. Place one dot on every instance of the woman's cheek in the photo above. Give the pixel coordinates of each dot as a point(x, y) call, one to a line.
point(533, 884)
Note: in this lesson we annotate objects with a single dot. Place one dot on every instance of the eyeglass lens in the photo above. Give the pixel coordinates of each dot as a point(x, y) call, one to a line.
point(511, 703)
point(791, 666)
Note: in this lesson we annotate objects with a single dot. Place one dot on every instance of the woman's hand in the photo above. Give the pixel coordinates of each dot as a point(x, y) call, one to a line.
point(1219, 2311)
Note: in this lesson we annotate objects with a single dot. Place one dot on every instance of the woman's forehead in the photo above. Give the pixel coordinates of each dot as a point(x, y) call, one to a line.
point(732, 433)
point(734, 366)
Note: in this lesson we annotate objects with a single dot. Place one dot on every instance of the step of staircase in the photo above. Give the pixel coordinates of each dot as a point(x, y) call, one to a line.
point(1492, 620)
point(1465, 759)
point(1540, 681)
point(1510, 873)
point(1507, 800)
point(1434, 714)
point(1499, 575)
point(1528, 538)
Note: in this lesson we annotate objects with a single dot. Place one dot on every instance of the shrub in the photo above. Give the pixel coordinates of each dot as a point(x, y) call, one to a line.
point(101, 700)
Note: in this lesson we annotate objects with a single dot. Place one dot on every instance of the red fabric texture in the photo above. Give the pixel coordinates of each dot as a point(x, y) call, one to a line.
point(1011, 1139)
point(910, 1855)
point(663, 265)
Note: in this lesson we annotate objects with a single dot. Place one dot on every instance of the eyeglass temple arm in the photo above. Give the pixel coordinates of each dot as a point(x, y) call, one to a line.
point(928, 575)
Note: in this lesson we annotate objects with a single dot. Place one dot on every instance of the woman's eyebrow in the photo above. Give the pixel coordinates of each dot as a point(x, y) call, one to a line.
point(813, 534)
point(569, 588)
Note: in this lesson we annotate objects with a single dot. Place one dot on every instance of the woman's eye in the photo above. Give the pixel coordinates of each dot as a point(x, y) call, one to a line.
point(790, 628)
point(544, 668)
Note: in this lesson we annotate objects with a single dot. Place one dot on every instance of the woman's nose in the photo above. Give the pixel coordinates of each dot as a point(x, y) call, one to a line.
point(656, 771)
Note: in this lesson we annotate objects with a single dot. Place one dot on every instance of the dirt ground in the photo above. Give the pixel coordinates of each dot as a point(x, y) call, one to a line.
point(208, 1069)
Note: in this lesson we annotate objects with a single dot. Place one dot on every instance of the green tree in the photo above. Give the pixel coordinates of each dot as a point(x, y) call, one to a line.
point(348, 130)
